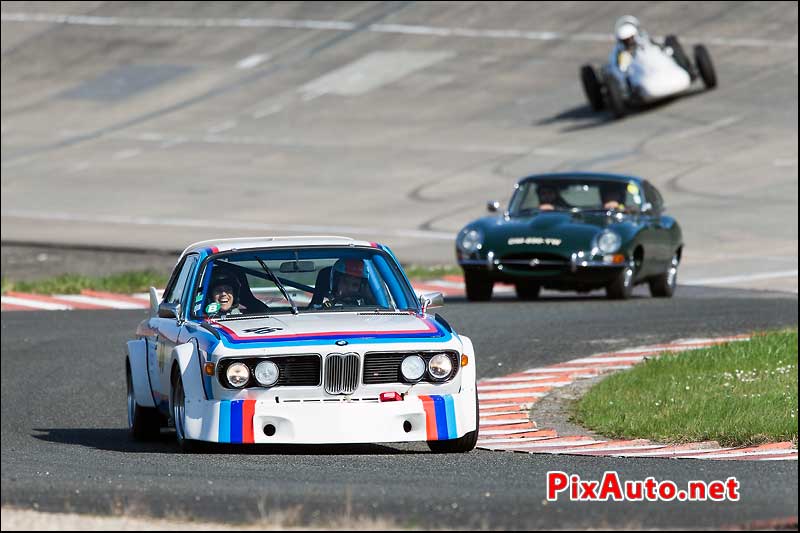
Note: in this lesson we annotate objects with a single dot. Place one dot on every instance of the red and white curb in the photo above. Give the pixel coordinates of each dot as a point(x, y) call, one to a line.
point(19, 301)
point(87, 299)
point(505, 403)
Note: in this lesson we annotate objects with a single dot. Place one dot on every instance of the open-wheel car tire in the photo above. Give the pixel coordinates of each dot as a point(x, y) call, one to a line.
point(593, 87)
point(706, 67)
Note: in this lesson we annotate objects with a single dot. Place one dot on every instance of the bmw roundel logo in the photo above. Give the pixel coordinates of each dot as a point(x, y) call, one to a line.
point(341, 343)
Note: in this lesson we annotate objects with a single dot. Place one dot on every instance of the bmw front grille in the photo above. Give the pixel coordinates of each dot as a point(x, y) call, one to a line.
point(341, 373)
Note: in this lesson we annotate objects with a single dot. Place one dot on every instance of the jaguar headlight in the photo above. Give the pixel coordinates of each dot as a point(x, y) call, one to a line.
point(609, 242)
point(412, 368)
point(471, 240)
point(238, 375)
point(267, 373)
point(440, 366)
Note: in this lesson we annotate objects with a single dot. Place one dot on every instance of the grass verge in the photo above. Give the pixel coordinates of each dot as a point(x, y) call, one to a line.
point(127, 282)
point(423, 272)
point(738, 394)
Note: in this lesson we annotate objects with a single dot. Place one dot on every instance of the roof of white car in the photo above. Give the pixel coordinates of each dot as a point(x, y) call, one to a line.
point(246, 243)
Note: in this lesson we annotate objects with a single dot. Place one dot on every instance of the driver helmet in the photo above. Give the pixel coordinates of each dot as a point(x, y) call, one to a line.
point(626, 31)
point(348, 267)
point(229, 280)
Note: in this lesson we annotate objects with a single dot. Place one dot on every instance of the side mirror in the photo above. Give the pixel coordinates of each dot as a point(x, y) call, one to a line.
point(429, 300)
point(154, 300)
point(169, 310)
point(493, 206)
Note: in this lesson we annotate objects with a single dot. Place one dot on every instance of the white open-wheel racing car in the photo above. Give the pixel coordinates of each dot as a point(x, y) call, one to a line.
point(299, 340)
point(645, 71)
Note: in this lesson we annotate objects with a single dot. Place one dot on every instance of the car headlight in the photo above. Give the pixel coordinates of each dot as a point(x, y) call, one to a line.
point(267, 373)
point(412, 368)
point(440, 366)
point(238, 375)
point(471, 240)
point(609, 242)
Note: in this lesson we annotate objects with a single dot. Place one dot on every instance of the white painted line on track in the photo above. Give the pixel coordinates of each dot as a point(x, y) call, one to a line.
point(500, 396)
point(547, 443)
point(104, 302)
point(252, 61)
point(742, 278)
point(12, 300)
point(512, 440)
point(489, 432)
point(522, 386)
point(484, 422)
point(220, 224)
point(731, 455)
point(338, 25)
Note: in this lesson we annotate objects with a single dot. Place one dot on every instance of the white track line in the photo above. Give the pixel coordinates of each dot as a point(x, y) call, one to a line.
point(522, 386)
point(104, 302)
point(219, 224)
point(36, 304)
point(338, 25)
point(501, 396)
point(754, 453)
point(545, 443)
point(743, 278)
point(486, 423)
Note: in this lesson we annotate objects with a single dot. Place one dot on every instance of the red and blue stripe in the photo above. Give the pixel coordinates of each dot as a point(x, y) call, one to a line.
point(440, 417)
point(236, 421)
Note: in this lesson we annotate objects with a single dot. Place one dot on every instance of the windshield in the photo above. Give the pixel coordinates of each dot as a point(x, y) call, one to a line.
point(265, 282)
point(575, 195)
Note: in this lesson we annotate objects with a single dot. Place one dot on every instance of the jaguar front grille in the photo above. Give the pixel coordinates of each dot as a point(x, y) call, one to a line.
point(341, 373)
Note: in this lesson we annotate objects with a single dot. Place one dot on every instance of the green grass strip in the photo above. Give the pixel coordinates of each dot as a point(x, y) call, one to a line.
point(739, 394)
point(127, 282)
point(423, 272)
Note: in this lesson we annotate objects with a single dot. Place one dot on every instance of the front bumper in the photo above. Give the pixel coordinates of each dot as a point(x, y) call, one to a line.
point(318, 421)
point(580, 268)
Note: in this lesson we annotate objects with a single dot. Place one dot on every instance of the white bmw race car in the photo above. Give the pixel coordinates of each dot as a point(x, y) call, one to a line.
point(641, 71)
point(312, 340)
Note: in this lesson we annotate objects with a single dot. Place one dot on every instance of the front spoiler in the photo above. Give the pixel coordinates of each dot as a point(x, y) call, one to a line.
point(314, 421)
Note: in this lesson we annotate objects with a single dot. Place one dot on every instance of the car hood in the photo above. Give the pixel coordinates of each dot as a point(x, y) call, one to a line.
point(329, 327)
point(556, 232)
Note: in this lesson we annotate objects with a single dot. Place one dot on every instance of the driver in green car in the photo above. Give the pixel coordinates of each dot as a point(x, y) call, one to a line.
point(550, 199)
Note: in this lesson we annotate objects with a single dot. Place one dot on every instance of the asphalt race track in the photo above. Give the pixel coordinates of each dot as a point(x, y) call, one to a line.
point(65, 444)
point(392, 122)
point(387, 121)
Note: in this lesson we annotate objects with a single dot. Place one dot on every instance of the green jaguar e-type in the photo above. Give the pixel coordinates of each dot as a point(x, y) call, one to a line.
point(575, 232)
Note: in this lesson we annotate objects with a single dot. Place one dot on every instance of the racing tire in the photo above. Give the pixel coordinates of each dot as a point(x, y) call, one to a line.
point(664, 285)
point(177, 408)
point(706, 67)
point(478, 286)
point(528, 291)
point(679, 55)
point(622, 286)
point(144, 423)
point(593, 87)
point(464, 444)
point(616, 103)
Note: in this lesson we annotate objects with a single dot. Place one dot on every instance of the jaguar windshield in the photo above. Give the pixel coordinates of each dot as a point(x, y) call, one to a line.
point(575, 195)
point(264, 282)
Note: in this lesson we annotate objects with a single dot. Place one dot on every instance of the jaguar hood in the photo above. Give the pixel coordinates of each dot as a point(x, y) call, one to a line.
point(556, 232)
